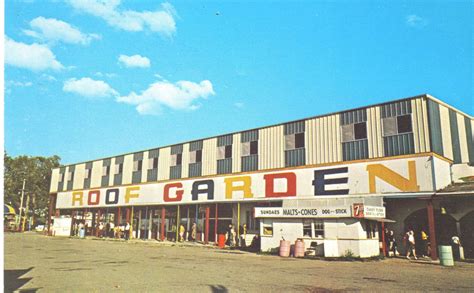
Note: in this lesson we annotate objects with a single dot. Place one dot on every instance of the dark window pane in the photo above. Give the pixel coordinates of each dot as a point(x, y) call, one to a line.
point(140, 165)
point(155, 163)
point(90, 173)
point(299, 140)
point(254, 147)
point(120, 168)
point(179, 157)
point(360, 130)
point(198, 156)
point(228, 151)
point(108, 171)
point(404, 124)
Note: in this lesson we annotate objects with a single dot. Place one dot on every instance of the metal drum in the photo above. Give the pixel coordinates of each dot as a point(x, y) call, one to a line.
point(284, 248)
point(299, 248)
point(446, 255)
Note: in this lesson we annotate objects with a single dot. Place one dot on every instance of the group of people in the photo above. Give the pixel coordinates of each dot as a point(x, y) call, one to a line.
point(109, 230)
point(409, 240)
point(190, 236)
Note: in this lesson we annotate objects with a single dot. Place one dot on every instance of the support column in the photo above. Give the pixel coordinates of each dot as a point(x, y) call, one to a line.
point(384, 246)
point(127, 215)
point(99, 214)
point(150, 222)
point(238, 220)
point(206, 231)
point(177, 224)
point(50, 213)
point(162, 228)
point(119, 216)
point(131, 224)
point(431, 226)
point(139, 230)
point(215, 224)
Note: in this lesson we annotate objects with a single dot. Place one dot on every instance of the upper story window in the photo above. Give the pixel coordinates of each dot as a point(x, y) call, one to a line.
point(119, 168)
point(176, 159)
point(294, 141)
point(354, 135)
point(224, 152)
point(106, 170)
point(70, 175)
point(295, 144)
point(88, 173)
point(195, 156)
point(397, 125)
point(397, 128)
point(152, 163)
point(137, 165)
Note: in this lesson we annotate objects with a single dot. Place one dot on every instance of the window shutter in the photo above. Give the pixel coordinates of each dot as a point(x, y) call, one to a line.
point(150, 163)
point(173, 160)
point(389, 126)
point(105, 171)
point(347, 132)
point(192, 157)
point(290, 142)
point(221, 152)
point(245, 149)
point(135, 166)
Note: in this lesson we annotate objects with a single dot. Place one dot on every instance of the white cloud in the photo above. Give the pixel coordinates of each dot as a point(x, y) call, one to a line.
point(89, 88)
point(239, 105)
point(53, 30)
point(134, 61)
point(19, 83)
point(182, 95)
point(414, 20)
point(34, 57)
point(160, 21)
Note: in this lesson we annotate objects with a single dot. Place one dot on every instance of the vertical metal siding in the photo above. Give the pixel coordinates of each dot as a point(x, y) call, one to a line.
point(118, 179)
point(96, 174)
point(322, 140)
point(295, 157)
point(137, 177)
point(374, 133)
point(236, 153)
point(70, 182)
point(355, 150)
point(144, 171)
point(355, 116)
point(164, 164)
point(434, 122)
point(224, 166)
point(175, 172)
point(112, 172)
point(209, 157)
point(152, 175)
point(177, 149)
point(79, 175)
point(224, 140)
point(195, 145)
point(446, 132)
point(185, 161)
point(127, 169)
point(271, 148)
point(61, 181)
point(53, 187)
point(250, 163)
point(469, 138)
point(87, 182)
point(396, 109)
point(294, 127)
point(462, 138)
point(419, 126)
point(401, 144)
point(453, 122)
point(195, 169)
point(251, 135)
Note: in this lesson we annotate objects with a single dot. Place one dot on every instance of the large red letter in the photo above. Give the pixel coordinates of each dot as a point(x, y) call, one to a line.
point(179, 192)
point(270, 184)
point(97, 197)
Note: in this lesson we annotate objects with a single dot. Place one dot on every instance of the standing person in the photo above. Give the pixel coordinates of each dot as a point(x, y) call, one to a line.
point(392, 248)
point(111, 230)
point(182, 230)
point(387, 242)
point(193, 232)
point(101, 229)
point(228, 236)
point(410, 241)
point(243, 235)
point(233, 236)
point(424, 243)
point(127, 231)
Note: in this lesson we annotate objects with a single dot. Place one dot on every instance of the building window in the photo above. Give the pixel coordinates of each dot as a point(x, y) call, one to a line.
point(294, 141)
point(307, 228)
point(152, 163)
point(224, 152)
point(137, 165)
point(249, 148)
point(355, 131)
point(267, 228)
point(176, 159)
point(371, 229)
point(118, 168)
point(88, 174)
point(105, 170)
point(318, 230)
point(195, 156)
point(397, 125)
point(70, 175)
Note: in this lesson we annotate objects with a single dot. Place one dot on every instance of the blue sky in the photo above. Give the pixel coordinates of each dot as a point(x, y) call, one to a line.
point(86, 79)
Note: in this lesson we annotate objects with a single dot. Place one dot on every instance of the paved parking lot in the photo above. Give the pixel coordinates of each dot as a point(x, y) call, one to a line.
point(35, 262)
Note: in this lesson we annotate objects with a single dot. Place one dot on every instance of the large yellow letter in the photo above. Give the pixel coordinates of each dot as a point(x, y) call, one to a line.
point(77, 196)
point(129, 194)
point(393, 178)
point(245, 187)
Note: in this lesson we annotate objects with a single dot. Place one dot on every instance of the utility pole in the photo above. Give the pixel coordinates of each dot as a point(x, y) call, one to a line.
point(21, 203)
point(26, 212)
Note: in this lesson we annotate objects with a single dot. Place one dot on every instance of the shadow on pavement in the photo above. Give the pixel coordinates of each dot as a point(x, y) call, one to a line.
point(218, 289)
point(13, 280)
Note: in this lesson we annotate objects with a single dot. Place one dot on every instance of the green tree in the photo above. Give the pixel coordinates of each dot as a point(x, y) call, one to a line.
point(37, 173)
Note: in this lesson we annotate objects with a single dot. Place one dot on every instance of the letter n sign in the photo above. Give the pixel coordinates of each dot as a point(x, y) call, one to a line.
point(320, 182)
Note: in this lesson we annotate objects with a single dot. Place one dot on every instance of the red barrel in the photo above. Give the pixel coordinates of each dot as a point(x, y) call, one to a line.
point(299, 248)
point(221, 240)
point(284, 248)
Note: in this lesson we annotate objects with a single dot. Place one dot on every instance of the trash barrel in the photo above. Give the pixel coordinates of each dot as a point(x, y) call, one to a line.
point(446, 255)
point(82, 233)
point(284, 248)
point(221, 240)
point(299, 248)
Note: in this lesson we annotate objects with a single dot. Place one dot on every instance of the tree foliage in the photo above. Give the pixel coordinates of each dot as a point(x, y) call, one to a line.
point(37, 173)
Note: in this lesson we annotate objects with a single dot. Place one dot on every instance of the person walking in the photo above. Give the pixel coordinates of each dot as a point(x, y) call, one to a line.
point(193, 232)
point(127, 231)
point(182, 230)
point(410, 242)
point(424, 243)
